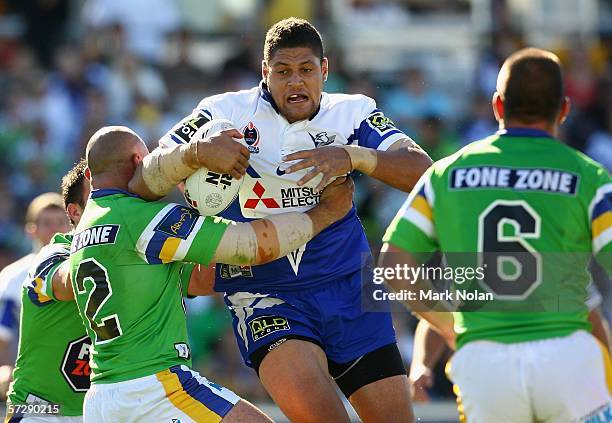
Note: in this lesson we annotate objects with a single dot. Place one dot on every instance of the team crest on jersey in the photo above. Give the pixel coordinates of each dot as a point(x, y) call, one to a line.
point(178, 222)
point(322, 138)
point(266, 325)
point(251, 137)
point(75, 366)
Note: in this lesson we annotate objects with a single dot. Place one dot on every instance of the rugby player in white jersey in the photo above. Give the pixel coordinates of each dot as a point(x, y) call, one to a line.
point(44, 217)
point(298, 320)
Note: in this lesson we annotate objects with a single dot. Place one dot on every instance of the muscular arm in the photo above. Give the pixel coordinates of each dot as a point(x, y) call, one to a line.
point(62, 288)
point(400, 166)
point(164, 168)
point(427, 351)
point(435, 313)
point(202, 280)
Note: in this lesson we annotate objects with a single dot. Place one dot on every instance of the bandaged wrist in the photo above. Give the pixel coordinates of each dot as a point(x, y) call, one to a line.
point(164, 168)
point(362, 159)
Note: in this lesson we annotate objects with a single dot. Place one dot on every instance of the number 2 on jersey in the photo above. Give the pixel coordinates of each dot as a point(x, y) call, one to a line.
point(108, 327)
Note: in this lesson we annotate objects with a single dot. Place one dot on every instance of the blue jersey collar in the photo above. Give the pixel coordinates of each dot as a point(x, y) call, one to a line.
point(524, 132)
point(264, 93)
point(104, 192)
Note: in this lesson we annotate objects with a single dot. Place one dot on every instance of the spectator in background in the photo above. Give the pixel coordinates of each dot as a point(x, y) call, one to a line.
point(479, 122)
point(145, 22)
point(415, 99)
point(599, 144)
point(435, 138)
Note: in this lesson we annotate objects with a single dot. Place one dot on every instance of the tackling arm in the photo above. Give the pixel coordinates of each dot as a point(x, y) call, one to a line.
point(265, 240)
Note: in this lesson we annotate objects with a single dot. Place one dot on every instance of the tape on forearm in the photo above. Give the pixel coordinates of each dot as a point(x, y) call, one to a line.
point(164, 168)
point(264, 240)
point(237, 246)
point(362, 159)
point(292, 230)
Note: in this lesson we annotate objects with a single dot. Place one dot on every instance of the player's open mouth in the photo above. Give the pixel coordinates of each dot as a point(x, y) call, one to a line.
point(297, 98)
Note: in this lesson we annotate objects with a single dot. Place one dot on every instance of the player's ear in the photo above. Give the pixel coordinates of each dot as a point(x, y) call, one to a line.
point(87, 173)
point(325, 68)
point(498, 107)
point(265, 71)
point(566, 106)
point(74, 212)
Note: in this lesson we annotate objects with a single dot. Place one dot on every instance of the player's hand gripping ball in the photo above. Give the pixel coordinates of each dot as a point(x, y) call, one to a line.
point(207, 191)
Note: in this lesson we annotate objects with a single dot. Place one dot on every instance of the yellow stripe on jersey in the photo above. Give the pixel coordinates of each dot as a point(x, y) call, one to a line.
point(183, 401)
point(421, 205)
point(168, 250)
point(38, 289)
point(601, 223)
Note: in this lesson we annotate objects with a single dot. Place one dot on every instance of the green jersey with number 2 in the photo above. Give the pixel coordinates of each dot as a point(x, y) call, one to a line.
point(130, 266)
point(522, 192)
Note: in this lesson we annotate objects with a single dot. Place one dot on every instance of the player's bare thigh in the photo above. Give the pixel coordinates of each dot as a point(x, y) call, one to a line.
point(296, 377)
point(244, 412)
point(386, 400)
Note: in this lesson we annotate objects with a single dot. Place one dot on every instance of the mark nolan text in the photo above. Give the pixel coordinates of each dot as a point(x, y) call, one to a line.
point(429, 295)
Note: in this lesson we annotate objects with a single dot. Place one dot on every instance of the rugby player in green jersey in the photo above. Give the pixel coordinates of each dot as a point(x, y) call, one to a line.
point(132, 262)
point(51, 373)
point(525, 196)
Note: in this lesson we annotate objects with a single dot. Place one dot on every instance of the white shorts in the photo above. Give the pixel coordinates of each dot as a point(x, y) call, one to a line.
point(558, 380)
point(177, 394)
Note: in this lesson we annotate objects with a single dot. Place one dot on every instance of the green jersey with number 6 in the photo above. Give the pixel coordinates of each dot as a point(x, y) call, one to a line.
point(543, 207)
point(130, 266)
point(53, 359)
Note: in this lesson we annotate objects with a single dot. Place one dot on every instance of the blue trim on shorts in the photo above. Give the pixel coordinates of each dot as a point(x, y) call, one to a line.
point(203, 393)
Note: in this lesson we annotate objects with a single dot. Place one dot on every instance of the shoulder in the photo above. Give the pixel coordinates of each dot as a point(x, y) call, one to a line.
point(348, 101)
point(225, 102)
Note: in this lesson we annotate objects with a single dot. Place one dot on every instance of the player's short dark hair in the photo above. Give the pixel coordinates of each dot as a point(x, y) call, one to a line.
point(292, 32)
point(530, 84)
point(72, 185)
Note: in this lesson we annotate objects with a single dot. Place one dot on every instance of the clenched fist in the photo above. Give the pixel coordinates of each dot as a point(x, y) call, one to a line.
point(221, 153)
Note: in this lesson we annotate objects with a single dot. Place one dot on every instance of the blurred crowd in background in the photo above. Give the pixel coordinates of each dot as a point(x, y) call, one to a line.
point(69, 67)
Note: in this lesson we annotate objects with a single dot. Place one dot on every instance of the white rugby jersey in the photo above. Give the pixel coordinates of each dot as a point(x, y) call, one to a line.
point(11, 280)
point(341, 119)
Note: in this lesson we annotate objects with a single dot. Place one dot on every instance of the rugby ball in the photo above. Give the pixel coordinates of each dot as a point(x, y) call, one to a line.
point(210, 192)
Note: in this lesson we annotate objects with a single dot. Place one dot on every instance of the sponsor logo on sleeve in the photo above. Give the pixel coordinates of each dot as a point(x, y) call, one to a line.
point(186, 129)
point(179, 222)
point(380, 122)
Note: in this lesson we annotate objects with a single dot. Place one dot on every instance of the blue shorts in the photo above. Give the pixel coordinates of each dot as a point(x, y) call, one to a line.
point(331, 317)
